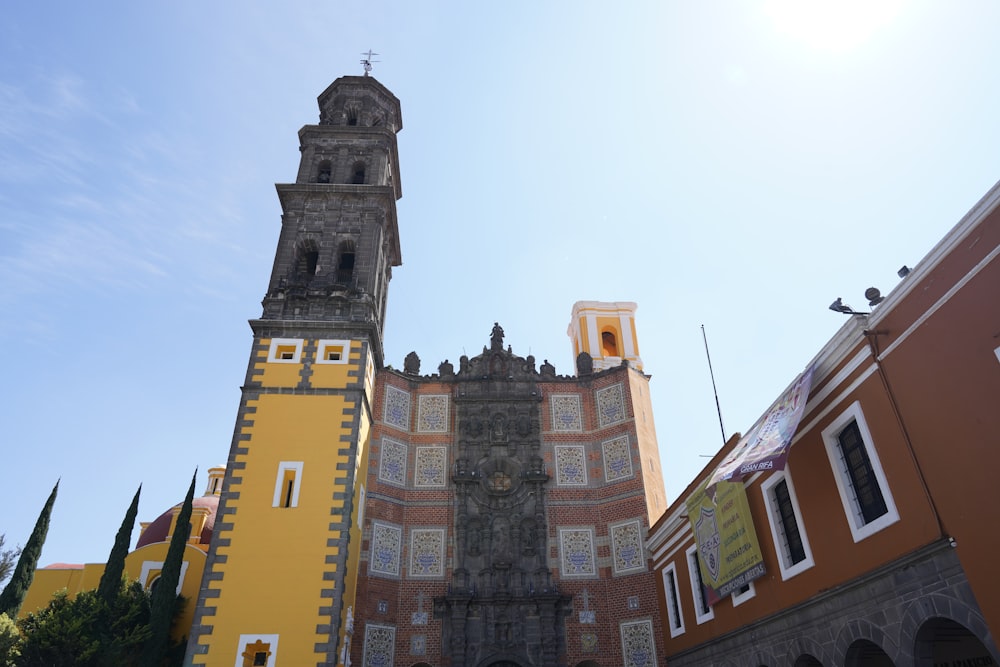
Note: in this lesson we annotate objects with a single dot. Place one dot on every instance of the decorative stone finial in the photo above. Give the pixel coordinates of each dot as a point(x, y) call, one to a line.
point(411, 364)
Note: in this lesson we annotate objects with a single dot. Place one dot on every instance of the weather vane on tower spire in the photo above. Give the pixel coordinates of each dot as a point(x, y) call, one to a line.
point(367, 61)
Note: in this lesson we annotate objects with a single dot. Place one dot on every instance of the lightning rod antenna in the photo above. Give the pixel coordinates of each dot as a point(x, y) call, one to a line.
point(711, 374)
point(367, 61)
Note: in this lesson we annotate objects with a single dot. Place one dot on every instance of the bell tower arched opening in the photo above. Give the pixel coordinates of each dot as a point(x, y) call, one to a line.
point(609, 344)
point(345, 262)
point(358, 173)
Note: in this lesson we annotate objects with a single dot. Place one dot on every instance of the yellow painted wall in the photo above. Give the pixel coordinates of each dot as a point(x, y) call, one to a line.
point(266, 587)
point(193, 556)
point(275, 374)
point(649, 450)
point(48, 581)
point(635, 336)
point(354, 547)
point(87, 577)
point(584, 336)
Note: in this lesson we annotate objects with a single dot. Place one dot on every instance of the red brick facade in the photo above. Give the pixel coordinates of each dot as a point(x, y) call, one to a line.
point(597, 602)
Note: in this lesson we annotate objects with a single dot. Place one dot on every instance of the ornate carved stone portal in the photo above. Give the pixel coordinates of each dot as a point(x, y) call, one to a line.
point(502, 607)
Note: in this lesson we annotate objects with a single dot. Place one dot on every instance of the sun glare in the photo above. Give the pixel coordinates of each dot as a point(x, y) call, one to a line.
point(831, 26)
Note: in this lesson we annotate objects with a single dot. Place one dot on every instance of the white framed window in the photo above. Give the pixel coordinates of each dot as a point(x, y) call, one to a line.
point(861, 482)
point(287, 484)
point(285, 351)
point(361, 507)
point(702, 611)
point(151, 570)
point(257, 650)
point(675, 616)
point(741, 595)
point(333, 351)
point(785, 519)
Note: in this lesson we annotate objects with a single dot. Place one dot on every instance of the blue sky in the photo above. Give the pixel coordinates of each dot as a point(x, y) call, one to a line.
point(733, 164)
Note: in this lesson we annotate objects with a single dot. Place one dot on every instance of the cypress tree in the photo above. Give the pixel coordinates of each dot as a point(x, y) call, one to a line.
point(13, 595)
point(164, 596)
point(111, 580)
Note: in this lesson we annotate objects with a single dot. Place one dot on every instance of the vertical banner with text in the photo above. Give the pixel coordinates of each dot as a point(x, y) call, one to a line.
point(728, 552)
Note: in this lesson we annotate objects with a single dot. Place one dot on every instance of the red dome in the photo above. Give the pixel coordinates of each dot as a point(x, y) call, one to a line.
point(157, 530)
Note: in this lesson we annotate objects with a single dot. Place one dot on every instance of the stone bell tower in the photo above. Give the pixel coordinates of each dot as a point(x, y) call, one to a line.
point(339, 238)
point(281, 576)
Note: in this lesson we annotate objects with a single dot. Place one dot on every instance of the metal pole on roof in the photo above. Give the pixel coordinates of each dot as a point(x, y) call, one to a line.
point(718, 408)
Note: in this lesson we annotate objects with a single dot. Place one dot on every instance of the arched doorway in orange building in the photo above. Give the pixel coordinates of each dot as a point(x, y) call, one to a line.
point(944, 641)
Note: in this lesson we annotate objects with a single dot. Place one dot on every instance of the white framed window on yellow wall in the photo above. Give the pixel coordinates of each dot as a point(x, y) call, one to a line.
point(333, 351)
point(287, 484)
point(285, 351)
point(257, 651)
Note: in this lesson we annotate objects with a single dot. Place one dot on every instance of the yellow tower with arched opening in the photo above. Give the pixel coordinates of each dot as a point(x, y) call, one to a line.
point(606, 331)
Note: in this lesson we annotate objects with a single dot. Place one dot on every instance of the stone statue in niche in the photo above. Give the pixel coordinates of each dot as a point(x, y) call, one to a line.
point(411, 364)
point(528, 538)
point(496, 337)
point(537, 465)
point(584, 364)
point(501, 541)
point(503, 631)
point(474, 539)
point(523, 425)
point(498, 429)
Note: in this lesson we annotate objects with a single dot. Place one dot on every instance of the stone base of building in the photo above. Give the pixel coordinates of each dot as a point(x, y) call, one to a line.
point(918, 610)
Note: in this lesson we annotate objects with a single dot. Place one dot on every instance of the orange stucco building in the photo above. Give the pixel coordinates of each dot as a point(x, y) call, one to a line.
point(878, 537)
